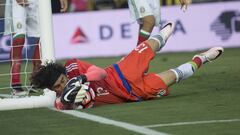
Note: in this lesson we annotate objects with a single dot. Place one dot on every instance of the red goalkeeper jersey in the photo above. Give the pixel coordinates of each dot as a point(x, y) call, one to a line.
point(109, 90)
point(126, 81)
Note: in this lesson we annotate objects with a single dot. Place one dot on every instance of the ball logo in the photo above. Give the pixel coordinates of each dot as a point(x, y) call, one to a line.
point(227, 24)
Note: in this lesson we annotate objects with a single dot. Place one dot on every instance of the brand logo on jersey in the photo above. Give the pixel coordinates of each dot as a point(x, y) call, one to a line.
point(227, 24)
point(19, 25)
point(142, 10)
point(101, 91)
point(79, 37)
point(162, 93)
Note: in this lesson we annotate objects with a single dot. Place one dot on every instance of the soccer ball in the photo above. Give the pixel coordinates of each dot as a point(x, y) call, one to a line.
point(85, 97)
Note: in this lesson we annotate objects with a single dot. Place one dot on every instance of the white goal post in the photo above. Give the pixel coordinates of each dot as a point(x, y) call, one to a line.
point(45, 17)
point(45, 100)
point(47, 54)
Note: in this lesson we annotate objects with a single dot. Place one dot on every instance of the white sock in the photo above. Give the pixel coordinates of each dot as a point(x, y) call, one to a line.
point(159, 38)
point(183, 71)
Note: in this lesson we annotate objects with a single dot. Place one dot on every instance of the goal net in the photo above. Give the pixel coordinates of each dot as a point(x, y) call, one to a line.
point(8, 52)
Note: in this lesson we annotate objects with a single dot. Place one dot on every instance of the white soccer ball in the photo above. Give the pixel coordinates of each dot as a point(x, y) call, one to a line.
point(85, 97)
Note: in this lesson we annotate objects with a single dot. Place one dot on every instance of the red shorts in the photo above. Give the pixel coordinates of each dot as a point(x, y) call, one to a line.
point(134, 67)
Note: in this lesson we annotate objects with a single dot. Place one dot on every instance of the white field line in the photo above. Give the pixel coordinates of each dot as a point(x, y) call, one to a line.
point(191, 123)
point(102, 120)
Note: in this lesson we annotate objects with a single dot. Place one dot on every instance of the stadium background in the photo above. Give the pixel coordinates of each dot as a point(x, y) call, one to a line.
point(118, 36)
point(211, 96)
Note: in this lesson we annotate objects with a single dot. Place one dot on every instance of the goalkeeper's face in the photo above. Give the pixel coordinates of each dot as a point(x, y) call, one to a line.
point(59, 85)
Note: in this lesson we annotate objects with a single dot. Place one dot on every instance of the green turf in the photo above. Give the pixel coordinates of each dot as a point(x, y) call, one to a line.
point(47, 122)
point(211, 94)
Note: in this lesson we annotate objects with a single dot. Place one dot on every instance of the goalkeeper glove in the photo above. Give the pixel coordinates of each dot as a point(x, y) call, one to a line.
point(72, 88)
point(81, 79)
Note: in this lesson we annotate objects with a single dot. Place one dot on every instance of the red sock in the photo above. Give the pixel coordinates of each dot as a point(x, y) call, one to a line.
point(16, 59)
point(141, 39)
point(198, 61)
point(142, 36)
point(36, 57)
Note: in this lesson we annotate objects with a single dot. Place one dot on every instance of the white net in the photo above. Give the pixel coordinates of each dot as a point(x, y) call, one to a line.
point(19, 54)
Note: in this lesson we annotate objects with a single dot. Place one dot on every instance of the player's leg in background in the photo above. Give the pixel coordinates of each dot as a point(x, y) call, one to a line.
point(16, 59)
point(18, 41)
point(186, 70)
point(147, 22)
point(146, 25)
point(142, 12)
point(34, 31)
point(36, 56)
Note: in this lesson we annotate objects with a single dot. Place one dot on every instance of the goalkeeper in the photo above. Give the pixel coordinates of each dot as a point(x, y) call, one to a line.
point(126, 81)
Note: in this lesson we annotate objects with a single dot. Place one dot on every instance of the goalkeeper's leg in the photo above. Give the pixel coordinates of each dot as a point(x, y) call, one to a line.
point(157, 42)
point(186, 70)
point(16, 59)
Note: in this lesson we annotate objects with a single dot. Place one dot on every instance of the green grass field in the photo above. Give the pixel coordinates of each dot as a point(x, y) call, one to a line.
point(211, 94)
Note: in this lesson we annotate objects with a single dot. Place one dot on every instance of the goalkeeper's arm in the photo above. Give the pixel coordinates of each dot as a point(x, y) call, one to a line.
point(95, 73)
point(73, 86)
point(75, 93)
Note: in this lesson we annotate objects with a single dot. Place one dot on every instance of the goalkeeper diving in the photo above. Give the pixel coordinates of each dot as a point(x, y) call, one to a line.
point(80, 84)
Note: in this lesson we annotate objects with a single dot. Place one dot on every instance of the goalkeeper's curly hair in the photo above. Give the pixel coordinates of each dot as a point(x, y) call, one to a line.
point(46, 75)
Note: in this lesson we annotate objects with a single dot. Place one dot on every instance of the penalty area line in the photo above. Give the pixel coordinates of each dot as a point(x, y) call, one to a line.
point(192, 123)
point(107, 121)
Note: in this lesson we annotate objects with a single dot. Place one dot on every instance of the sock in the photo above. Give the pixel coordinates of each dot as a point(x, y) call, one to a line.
point(16, 56)
point(142, 36)
point(159, 39)
point(201, 58)
point(36, 57)
point(186, 70)
point(17, 87)
point(198, 61)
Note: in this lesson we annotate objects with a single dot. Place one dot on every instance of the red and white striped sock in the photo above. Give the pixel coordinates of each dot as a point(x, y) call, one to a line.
point(142, 36)
point(16, 58)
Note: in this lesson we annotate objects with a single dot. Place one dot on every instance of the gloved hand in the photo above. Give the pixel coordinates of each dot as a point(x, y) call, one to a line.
point(72, 88)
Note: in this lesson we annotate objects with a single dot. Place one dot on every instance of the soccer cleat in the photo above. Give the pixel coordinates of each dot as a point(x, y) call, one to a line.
point(166, 31)
point(210, 54)
point(17, 91)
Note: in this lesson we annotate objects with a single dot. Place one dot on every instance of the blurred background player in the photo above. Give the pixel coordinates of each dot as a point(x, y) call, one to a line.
point(120, 82)
point(147, 13)
point(60, 5)
point(22, 20)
